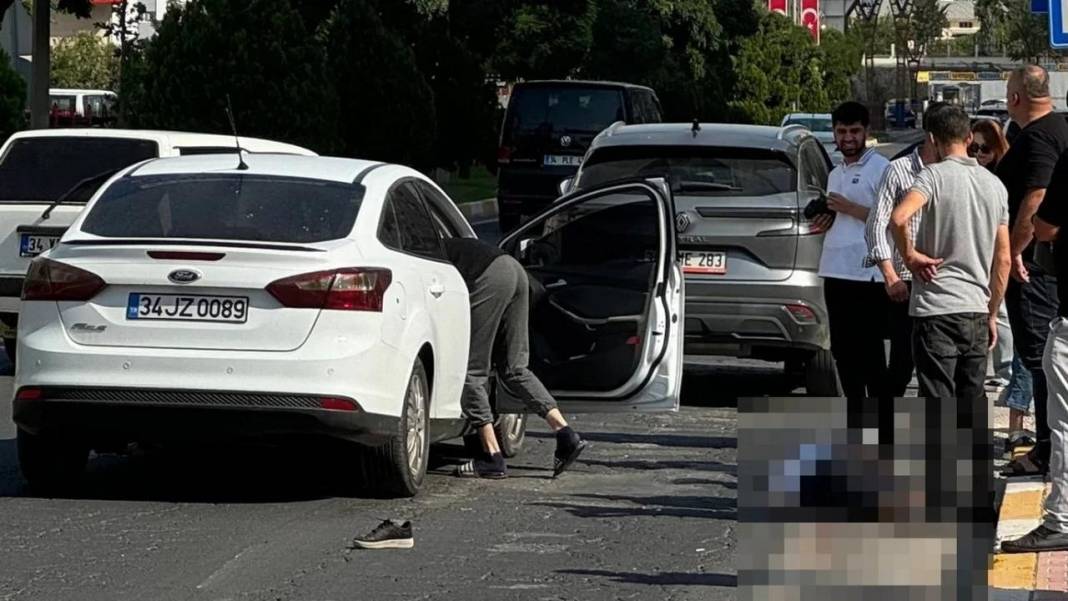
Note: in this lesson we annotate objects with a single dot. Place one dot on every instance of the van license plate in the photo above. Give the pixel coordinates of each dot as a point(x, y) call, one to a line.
point(559, 160)
point(31, 245)
point(714, 263)
point(182, 307)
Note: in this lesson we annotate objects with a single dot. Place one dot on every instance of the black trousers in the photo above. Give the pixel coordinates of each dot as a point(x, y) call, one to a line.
point(857, 313)
point(899, 372)
point(1031, 308)
point(951, 355)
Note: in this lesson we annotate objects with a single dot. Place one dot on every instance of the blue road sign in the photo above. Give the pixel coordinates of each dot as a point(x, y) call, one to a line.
point(1040, 6)
point(1058, 28)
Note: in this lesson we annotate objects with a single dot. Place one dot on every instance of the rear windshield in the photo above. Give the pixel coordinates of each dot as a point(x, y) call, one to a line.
point(695, 171)
point(566, 109)
point(813, 125)
point(226, 207)
point(42, 169)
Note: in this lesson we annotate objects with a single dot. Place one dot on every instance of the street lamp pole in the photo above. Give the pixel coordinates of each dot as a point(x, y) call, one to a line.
point(868, 13)
point(901, 11)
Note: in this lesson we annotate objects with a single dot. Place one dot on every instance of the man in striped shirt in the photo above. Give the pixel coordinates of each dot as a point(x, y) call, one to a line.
point(881, 253)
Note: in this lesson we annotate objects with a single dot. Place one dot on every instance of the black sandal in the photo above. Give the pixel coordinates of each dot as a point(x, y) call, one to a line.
point(1024, 465)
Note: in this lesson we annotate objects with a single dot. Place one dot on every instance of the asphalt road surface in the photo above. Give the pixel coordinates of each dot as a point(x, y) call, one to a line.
point(648, 513)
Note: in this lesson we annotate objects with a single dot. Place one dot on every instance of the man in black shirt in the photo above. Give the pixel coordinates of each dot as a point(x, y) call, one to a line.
point(500, 310)
point(1032, 293)
point(1052, 217)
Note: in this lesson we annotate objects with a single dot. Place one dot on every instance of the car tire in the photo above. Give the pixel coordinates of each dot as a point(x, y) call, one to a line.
point(10, 344)
point(398, 468)
point(48, 463)
point(821, 376)
point(511, 431)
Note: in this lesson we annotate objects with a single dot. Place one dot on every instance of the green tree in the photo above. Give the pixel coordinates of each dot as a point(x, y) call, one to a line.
point(842, 55)
point(12, 99)
point(84, 61)
point(779, 70)
point(544, 38)
point(256, 51)
point(388, 106)
point(1010, 25)
point(924, 26)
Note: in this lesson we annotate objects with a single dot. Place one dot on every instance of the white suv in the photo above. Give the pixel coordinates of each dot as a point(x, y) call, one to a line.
point(46, 177)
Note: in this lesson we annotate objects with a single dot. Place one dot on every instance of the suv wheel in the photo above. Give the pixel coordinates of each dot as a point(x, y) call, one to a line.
point(821, 377)
point(49, 463)
point(398, 467)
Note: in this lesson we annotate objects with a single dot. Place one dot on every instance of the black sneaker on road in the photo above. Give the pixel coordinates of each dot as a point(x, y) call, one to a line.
point(387, 535)
point(569, 445)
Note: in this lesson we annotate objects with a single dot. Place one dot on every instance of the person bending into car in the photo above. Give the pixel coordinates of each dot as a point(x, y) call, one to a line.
point(857, 304)
point(500, 310)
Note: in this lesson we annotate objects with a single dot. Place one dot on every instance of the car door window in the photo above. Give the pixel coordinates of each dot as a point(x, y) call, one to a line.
point(418, 235)
point(388, 230)
point(814, 166)
point(434, 200)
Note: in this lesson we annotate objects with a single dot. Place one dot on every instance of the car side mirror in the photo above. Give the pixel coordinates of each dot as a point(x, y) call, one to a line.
point(565, 185)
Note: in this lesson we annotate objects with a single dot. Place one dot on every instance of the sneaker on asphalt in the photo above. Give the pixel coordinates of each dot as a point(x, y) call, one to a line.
point(387, 535)
point(493, 468)
point(569, 445)
point(1038, 540)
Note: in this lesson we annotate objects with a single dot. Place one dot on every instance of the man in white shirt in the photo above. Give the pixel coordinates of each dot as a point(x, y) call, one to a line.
point(857, 303)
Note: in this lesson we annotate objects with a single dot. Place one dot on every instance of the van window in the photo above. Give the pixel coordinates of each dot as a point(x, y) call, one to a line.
point(42, 169)
point(567, 109)
point(645, 107)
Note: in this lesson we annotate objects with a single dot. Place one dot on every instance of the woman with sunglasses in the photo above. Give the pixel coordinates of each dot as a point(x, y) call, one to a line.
point(988, 147)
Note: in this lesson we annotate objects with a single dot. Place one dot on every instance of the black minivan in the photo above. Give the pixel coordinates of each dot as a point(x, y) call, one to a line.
point(547, 129)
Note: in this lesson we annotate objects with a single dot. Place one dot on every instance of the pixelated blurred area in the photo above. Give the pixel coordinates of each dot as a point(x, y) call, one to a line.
point(864, 499)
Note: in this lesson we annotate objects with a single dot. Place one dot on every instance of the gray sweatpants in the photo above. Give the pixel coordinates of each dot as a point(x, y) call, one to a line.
point(1055, 364)
point(500, 313)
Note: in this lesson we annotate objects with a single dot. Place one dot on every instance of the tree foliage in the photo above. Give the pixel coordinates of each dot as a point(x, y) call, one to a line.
point(387, 105)
point(255, 51)
point(1010, 25)
point(12, 98)
point(540, 39)
point(84, 61)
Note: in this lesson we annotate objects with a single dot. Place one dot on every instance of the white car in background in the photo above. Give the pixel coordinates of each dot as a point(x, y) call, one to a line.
point(293, 296)
point(822, 127)
point(46, 177)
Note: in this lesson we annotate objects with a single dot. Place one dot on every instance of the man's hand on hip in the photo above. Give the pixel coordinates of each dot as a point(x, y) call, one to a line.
point(922, 266)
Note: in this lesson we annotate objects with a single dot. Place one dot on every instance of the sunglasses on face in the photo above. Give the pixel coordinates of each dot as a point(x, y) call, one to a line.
point(980, 149)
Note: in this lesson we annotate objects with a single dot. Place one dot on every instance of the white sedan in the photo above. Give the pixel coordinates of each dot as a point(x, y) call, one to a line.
point(290, 296)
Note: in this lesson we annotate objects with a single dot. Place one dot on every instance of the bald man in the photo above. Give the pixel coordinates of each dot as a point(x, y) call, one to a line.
point(1032, 292)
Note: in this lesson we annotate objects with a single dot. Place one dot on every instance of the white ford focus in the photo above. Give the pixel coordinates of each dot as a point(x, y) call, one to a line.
point(290, 296)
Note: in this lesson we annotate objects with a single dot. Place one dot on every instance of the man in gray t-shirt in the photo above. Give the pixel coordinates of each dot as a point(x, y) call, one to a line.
point(960, 260)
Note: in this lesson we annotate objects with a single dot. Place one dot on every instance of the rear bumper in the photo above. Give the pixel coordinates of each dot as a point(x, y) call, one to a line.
point(10, 294)
point(98, 415)
point(750, 319)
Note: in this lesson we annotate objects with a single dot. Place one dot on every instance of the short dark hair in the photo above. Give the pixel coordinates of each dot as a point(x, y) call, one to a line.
point(931, 109)
point(849, 113)
point(948, 124)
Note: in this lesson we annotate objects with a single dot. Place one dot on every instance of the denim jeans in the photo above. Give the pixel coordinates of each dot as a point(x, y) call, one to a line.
point(1019, 394)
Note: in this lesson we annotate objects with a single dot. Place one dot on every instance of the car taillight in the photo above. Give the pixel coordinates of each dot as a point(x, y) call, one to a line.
point(52, 280)
point(338, 404)
point(29, 394)
point(504, 155)
point(349, 289)
point(802, 314)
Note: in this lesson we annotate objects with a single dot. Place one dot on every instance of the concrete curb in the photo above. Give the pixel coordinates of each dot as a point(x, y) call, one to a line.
point(481, 210)
point(1026, 576)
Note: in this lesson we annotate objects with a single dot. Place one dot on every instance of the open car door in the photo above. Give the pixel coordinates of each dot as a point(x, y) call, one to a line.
point(606, 326)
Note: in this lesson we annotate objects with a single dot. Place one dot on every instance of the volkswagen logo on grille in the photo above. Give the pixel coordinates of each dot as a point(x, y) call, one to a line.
point(565, 141)
point(682, 222)
point(183, 276)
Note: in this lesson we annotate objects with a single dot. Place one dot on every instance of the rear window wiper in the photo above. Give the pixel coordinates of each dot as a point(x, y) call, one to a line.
point(706, 187)
point(101, 177)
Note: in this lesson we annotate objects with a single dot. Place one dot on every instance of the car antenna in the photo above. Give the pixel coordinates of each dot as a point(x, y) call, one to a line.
point(241, 166)
point(696, 127)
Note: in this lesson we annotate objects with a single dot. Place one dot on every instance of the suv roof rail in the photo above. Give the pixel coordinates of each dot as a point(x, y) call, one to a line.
point(786, 129)
point(611, 129)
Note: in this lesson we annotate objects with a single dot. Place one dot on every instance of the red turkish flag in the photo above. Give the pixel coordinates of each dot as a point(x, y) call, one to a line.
point(777, 6)
point(810, 17)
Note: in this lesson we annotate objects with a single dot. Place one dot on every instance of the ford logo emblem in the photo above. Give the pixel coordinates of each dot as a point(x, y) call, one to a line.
point(183, 276)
